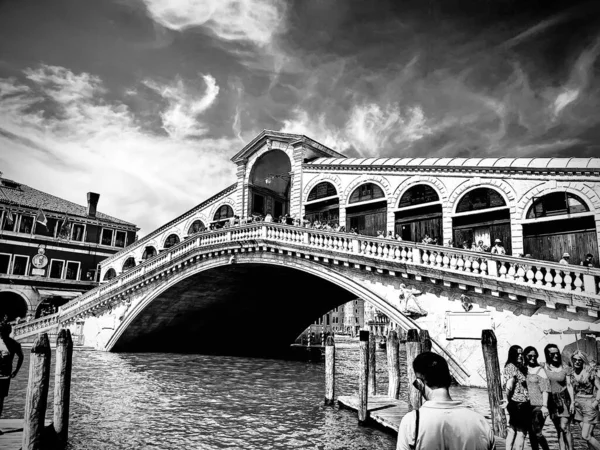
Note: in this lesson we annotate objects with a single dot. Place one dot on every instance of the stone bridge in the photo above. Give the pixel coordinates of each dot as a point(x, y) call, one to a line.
point(257, 286)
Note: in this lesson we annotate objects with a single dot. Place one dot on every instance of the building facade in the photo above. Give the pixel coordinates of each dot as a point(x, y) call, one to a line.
point(50, 248)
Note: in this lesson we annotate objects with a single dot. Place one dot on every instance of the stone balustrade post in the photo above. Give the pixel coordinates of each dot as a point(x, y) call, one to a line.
point(416, 255)
point(355, 246)
point(492, 268)
point(589, 284)
point(305, 237)
point(263, 232)
point(228, 238)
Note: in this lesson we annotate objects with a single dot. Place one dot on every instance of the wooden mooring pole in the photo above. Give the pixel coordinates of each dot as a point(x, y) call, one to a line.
point(62, 384)
point(372, 364)
point(489, 345)
point(413, 348)
point(37, 394)
point(393, 360)
point(329, 371)
point(363, 376)
point(425, 341)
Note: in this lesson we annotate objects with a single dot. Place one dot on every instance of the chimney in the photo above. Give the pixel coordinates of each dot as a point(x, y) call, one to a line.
point(92, 198)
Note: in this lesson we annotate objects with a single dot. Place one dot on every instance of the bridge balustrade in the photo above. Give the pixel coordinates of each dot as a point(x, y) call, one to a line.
point(525, 271)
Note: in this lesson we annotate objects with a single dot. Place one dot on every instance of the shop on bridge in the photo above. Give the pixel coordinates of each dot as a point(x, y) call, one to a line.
point(367, 210)
point(557, 223)
point(323, 204)
point(270, 185)
point(419, 213)
point(482, 215)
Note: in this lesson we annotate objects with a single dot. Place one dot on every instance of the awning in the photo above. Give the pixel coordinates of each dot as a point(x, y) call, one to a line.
point(64, 294)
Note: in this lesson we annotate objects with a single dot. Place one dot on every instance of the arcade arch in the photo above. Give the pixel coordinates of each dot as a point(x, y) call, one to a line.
point(196, 227)
point(482, 214)
point(171, 240)
point(110, 274)
point(323, 203)
point(419, 214)
point(222, 214)
point(149, 252)
point(549, 229)
point(13, 305)
point(128, 264)
point(270, 184)
point(366, 211)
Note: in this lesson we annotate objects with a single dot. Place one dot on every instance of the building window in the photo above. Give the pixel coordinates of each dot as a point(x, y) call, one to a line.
point(322, 190)
point(418, 195)
point(8, 221)
point(149, 252)
point(110, 274)
point(20, 264)
point(4, 262)
point(26, 224)
point(478, 199)
point(78, 232)
point(107, 236)
point(196, 227)
point(556, 204)
point(367, 191)
point(46, 230)
point(56, 268)
point(224, 212)
point(120, 239)
point(72, 272)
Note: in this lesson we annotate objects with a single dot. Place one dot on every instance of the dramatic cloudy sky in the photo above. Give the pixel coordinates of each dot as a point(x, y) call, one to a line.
point(145, 101)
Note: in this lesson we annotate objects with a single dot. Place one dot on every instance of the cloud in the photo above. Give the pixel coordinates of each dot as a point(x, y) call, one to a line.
point(253, 21)
point(180, 119)
point(58, 132)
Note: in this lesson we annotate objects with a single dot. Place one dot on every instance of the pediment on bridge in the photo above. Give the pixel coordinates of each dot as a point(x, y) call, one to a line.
point(311, 148)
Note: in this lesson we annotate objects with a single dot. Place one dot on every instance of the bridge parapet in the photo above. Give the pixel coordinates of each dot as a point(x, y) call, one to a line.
point(575, 287)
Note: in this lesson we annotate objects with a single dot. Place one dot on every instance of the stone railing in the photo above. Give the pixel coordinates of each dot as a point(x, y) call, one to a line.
point(519, 271)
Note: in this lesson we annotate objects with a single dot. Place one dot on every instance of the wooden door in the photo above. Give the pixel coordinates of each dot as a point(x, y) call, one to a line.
point(502, 232)
point(550, 247)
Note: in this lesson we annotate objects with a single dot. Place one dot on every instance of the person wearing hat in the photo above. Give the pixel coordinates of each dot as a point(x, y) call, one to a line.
point(498, 248)
point(565, 259)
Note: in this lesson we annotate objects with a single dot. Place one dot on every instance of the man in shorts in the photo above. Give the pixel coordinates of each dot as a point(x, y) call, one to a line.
point(8, 349)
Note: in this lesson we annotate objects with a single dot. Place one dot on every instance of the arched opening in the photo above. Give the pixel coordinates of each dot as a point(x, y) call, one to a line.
point(367, 210)
point(109, 275)
point(196, 227)
point(419, 214)
point(129, 264)
point(222, 216)
point(270, 185)
point(551, 230)
point(50, 305)
point(12, 305)
point(482, 215)
point(171, 240)
point(149, 252)
point(323, 204)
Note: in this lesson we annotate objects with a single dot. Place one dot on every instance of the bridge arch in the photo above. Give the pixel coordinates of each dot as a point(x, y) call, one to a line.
point(109, 274)
point(191, 224)
point(386, 303)
point(128, 264)
point(14, 304)
point(171, 240)
point(149, 252)
point(328, 177)
point(270, 183)
point(366, 215)
point(323, 203)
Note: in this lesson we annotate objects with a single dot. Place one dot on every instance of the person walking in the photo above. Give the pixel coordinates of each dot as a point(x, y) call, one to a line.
point(586, 390)
point(538, 387)
point(498, 248)
point(9, 348)
point(560, 405)
point(566, 259)
point(441, 422)
point(518, 407)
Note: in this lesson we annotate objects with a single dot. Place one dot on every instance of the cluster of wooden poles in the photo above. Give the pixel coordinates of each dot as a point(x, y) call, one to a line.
point(416, 342)
point(35, 435)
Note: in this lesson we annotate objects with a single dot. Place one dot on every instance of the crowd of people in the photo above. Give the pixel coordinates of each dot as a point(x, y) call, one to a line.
point(566, 393)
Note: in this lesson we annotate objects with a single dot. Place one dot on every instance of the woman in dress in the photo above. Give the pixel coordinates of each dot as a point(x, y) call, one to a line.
point(517, 395)
point(561, 392)
point(586, 387)
point(538, 387)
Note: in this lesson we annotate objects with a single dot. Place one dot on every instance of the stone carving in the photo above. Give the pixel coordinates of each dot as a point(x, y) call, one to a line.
point(408, 302)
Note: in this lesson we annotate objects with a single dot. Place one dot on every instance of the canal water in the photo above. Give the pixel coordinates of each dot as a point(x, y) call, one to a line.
point(163, 401)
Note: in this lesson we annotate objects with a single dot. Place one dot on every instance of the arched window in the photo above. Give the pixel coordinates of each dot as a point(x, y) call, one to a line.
point(196, 227)
point(556, 204)
point(478, 199)
point(110, 274)
point(224, 212)
point(367, 191)
point(322, 190)
point(418, 195)
point(149, 252)
point(129, 264)
point(172, 240)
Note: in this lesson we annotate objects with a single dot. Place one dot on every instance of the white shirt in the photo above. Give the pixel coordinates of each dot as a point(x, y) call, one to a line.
point(445, 426)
